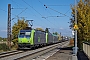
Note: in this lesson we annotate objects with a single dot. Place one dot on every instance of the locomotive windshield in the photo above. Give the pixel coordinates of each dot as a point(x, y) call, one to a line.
point(25, 33)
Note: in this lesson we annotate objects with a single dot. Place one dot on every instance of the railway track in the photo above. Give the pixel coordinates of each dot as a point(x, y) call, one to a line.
point(29, 55)
point(9, 53)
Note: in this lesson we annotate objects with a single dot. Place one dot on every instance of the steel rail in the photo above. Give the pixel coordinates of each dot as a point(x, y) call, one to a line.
point(6, 54)
point(28, 55)
point(40, 52)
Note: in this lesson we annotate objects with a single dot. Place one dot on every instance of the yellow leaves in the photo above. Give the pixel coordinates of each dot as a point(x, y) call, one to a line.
point(17, 27)
point(39, 29)
point(83, 18)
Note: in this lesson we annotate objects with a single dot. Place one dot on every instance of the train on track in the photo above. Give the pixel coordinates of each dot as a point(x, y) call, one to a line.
point(32, 38)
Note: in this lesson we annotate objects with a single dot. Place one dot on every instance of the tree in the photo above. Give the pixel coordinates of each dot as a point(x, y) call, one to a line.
point(55, 33)
point(20, 25)
point(0, 38)
point(39, 29)
point(4, 39)
point(83, 19)
point(58, 35)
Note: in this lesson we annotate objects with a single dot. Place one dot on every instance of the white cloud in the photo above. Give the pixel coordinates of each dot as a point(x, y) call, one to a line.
point(61, 28)
point(3, 30)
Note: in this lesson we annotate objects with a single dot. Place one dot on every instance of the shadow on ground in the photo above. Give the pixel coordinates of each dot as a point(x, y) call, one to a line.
point(66, 48)
point(82, 56)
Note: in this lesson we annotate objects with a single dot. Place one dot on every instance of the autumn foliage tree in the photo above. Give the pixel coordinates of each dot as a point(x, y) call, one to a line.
point(39, 29)
point(21, 24)
point(83, 21)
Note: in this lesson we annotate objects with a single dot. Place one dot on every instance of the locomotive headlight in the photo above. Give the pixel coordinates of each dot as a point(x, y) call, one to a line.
point(28, 41)
point(21, 41)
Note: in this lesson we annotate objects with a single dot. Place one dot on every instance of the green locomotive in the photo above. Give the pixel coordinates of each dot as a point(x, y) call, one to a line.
point(28, 39)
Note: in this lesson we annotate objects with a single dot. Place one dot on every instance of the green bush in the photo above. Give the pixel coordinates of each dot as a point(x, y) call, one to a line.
point(4, 47)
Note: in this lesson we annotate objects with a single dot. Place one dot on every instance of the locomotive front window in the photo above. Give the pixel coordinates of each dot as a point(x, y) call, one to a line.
point(21, 36)
point(27, 34)
point(22, 33)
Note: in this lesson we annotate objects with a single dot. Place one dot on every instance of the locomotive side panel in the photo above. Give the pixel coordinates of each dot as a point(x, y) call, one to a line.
point(50, 38)
point(39, 37)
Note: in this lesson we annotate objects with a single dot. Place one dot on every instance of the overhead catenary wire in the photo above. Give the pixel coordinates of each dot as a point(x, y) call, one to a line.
point(31, 7)
point(36, 11)
point(13, 14)
point(16, 16)
point(49, 13)
point(58, 11)
point(22, 8)
point(18, 8)
point(6, 12)
point(15, 3)
point(48, 16)
point(55, 10)
point(58, 5)
point(41, 14)
point(30, 13)
point(3, 10)
point(67, 11)
point(22, 11)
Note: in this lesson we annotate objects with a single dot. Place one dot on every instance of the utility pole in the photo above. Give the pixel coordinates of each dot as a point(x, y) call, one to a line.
point(75, 29)
point(9, 27)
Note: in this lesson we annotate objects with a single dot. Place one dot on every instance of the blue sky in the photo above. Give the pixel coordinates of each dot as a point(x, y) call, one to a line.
point(35, 10)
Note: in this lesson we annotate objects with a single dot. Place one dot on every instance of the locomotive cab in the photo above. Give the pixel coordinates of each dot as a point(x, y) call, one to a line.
point(24, 39)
